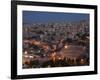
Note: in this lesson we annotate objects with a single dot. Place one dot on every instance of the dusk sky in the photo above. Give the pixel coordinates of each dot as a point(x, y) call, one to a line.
point(44, 17)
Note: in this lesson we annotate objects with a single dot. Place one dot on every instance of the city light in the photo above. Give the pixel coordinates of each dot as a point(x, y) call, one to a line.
point(65, 46)
point(55, 45)
point(25, 52)
point(26, 56)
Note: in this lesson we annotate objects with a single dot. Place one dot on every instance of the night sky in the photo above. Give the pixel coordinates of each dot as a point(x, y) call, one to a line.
point(44, 17)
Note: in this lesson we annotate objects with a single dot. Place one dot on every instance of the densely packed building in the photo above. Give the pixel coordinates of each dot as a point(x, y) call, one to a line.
point(55, 31)
point(43, 42)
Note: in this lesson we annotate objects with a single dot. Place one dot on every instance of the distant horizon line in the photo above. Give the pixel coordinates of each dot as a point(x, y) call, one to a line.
point(56, 22)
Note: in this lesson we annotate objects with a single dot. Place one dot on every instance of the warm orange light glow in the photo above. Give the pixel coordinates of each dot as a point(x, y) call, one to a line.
point(60, 58)
point(66, 46)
